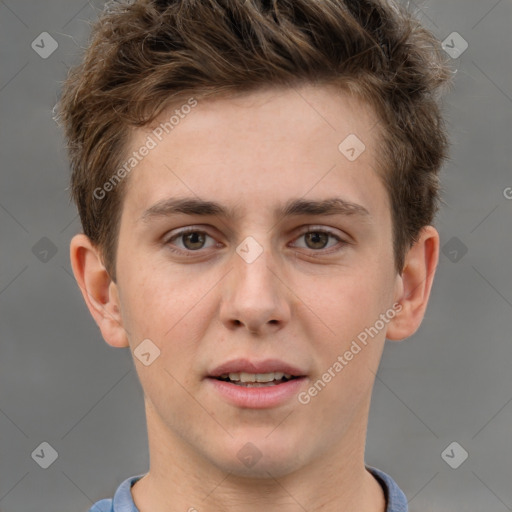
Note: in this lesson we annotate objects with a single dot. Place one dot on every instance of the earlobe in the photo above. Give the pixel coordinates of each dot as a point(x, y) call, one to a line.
point(415, 284)
point(99, 291)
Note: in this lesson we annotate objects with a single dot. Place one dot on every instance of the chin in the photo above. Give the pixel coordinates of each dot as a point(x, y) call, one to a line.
point(263, 469)
point(261, 455)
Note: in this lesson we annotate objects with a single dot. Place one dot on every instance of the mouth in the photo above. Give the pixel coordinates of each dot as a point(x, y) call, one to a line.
point(256, 380)
point(251, 373)
point(254, 384)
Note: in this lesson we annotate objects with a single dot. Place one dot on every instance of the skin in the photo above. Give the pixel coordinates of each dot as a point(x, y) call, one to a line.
point(302, 300)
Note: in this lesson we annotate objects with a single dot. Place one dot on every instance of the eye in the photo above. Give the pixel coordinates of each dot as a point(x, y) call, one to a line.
point(318, 239)
point(191, 240)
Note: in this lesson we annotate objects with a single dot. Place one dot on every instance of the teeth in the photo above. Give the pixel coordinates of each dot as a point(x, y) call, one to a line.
point(268, 377)
point(255, 377)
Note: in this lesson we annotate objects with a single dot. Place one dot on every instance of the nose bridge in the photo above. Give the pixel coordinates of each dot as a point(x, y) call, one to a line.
point(254, 279)
point(253, 295)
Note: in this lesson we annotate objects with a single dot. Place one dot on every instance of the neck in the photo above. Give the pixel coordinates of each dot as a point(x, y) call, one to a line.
point(180, 479)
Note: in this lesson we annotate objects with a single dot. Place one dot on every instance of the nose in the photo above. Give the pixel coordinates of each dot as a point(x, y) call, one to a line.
point(254, 296)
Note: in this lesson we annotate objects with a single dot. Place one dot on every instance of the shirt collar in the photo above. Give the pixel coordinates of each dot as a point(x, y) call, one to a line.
point(395, 498)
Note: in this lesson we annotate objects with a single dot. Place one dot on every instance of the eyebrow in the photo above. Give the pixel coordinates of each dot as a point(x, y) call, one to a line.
point(294, 207)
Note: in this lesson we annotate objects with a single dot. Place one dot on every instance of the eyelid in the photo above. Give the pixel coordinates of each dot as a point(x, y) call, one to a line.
point(308, 229)
point(186, 231)
point(328, 231)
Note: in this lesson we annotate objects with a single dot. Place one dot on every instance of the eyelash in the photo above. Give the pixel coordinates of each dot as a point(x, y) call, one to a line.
point(191, 253)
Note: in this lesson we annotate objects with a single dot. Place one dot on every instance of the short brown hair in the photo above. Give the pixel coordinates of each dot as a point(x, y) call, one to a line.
point(148, 54)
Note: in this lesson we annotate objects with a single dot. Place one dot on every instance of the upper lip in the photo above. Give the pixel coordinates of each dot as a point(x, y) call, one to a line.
point(245, 365)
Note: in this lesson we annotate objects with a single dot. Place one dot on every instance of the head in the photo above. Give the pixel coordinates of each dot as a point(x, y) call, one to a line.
point(263, 95)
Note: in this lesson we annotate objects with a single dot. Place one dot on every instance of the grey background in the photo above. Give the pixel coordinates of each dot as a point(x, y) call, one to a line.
point(61, 383)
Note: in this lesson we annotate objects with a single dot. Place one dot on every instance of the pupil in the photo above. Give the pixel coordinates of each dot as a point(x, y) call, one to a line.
point(194, 237)
point(315, 236)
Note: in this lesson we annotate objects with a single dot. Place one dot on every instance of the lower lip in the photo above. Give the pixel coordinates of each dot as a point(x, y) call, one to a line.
point(257, 397)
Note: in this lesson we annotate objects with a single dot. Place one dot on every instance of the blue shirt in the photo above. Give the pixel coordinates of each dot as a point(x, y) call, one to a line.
point(123, 501)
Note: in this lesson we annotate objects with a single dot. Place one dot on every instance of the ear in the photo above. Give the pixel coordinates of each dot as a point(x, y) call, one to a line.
point(99, 291)
point(414, 285)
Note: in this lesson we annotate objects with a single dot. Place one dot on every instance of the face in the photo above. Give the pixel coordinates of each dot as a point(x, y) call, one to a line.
point(283, 273)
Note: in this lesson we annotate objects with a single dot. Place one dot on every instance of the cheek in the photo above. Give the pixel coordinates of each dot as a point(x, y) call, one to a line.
point(153, 302)
point(173, 314)
point(350, 300)
point(349, 312)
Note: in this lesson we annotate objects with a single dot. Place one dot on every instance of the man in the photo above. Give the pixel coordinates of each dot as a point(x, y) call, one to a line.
point(256, 183)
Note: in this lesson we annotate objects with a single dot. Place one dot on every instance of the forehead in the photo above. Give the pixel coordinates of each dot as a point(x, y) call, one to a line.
point(271, 144)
